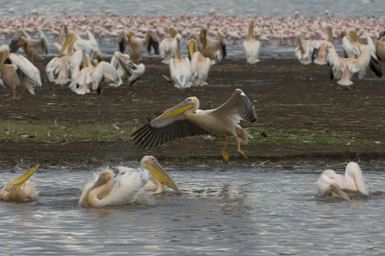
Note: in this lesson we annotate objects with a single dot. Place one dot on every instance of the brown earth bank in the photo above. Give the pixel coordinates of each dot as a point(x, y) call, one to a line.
point(287, 97)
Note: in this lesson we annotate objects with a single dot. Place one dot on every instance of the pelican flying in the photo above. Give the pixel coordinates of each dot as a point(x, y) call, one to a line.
point(330, 183)
point(186, 119)
point(130, 184)
point(251, 46)
point(17, 71)
point(20, 189)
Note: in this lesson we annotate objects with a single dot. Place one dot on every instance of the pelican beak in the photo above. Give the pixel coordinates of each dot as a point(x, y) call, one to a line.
point(85, 61)
point(337, 192)
point(176, 110)
point(3, 58)
point(159, 173)
point(23, 178)
point(353, 35)
point(191, 47)
point(69, 40)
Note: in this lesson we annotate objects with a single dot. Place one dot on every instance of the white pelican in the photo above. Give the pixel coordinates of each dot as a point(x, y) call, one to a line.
point(17, 72)
point(87, 46)
point(186, 119)
point(168, 46)
point(180, 71)
point(200, 65)
point(214, 49)
point(135, 45)
point(62, 39)
point(30, 46)
point(330, 183)
point(126, 187)
point(20, 189)
point(315, 51)
point(122, 63)
point(344, 68)
point(380, 47)
point(353, 48)
point(251, 46)
point(91, 77)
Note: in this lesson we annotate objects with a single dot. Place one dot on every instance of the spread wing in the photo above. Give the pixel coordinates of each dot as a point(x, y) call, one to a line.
point(163, 129)
point(238, 107)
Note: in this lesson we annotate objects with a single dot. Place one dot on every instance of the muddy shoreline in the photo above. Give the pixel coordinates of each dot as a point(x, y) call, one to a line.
point(288, 98)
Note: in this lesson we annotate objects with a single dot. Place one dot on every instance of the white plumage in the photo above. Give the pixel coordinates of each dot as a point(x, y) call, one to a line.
point(251, 46)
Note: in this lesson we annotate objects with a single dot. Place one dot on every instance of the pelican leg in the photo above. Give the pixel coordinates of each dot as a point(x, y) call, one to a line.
point(243, 155)
point(225, 156)
point(16, 90)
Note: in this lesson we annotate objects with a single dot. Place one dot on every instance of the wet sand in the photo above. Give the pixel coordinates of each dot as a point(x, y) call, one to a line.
point(287, 97)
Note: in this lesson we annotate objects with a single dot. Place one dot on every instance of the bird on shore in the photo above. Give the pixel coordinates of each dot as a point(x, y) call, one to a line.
point(135, 44)
point(351, 44)
point(168, 46)
point(20, 189)
point(251, 46)
point(215, 49)
point(199, 64)
point(64, 34)
point(186, 119)
point(129, 185)
point(180, 71)
point(315, 51)
point(380, 47)
point(125, 67)
point(88, 46)
point(330, 183)
point(344, 68)
point(31, 47)
point(18, 72)
point(92, 76)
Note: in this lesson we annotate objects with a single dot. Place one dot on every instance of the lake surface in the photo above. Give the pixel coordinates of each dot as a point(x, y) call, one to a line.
point(232, 211)
point(282, 8)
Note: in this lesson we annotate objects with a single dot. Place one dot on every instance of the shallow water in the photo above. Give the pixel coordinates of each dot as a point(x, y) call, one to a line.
point(282, 8)
point(240, 210)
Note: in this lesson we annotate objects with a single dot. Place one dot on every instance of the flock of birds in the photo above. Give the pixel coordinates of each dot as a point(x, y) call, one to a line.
point(80, 65)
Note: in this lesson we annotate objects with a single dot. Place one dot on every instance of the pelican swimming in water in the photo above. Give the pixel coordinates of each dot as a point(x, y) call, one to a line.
point(93, 76)
point(200, 65)
point(251, 46)
point(124, 66)
point(344, 68)
point(330, 183)
point(30, 46)
point(186, 119)
point(17, 72)
point(211, 48)
point(168, 46)
point(180, 71)
point(108, 189)
point(135, 45)
point(315, 51)
point(20, 189)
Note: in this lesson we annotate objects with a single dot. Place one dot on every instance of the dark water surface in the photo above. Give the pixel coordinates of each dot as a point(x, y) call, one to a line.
point(239, 211)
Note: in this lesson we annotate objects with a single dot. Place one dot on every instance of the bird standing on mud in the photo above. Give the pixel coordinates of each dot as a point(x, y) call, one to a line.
point(211, 48)
point(17, 71)
point(135, 45)
point(251, 46)
point(330, 183)
point(186, 119)
point(20, 189)
point(128, 186)
point(30, 46)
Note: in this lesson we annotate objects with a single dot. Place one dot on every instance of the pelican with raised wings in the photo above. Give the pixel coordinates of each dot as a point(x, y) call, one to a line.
point(331, 183)
point(186, 119)
point(18, 72)
point(20, 189)
point(251, 46)
point(315, 51)
point(168, 46)
point(180, 71)
point(135, 44)
point(215, 49)
point(125, 67)
point(344, 68)
point(93, 76)
point(88, 46)
point(30, 46)
point(200, 65)
point(128, 186)
point(352, 44)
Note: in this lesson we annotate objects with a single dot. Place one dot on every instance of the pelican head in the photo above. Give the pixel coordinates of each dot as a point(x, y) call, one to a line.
point(192, 46)
point(69, 41)
point(189, 104)
point(158, 172)
point(105, 176)
point(4, 52)
point(172, 32)
point(328, 184)
point(131, 35)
